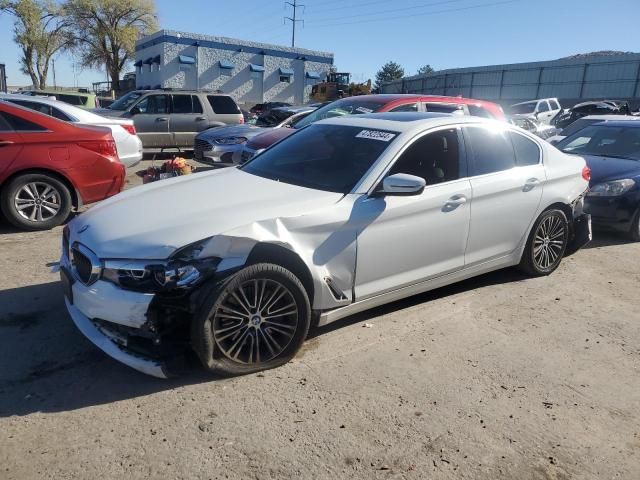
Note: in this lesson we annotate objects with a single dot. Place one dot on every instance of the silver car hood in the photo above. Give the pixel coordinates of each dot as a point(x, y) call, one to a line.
point(152, 221)
point(245, 130)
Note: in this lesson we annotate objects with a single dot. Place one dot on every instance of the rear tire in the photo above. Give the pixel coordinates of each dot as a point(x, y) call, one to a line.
point(546, 244)
point(634, 233)
point(36, 201)
point(255, 320)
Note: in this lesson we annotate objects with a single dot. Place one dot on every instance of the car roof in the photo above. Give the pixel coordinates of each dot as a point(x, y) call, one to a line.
point(610, 118)
point(177, 90)
point(295, 109)
point(619, 123)
point(404, 121)
point(79, 114)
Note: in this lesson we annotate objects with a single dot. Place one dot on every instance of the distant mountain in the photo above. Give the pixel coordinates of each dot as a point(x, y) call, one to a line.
point(601, 53)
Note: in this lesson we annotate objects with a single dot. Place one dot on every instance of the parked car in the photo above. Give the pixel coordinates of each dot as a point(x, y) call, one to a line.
point(48, 167)
point(172, 118)
point(585, 122)
point(123, 130)
point(532, 125)
point(223, 146)
point(248, 257)
point(378, 103)
point(603, 107)
point(265, 107)
point(612, 152)
point(542, 110)
point(79, 99)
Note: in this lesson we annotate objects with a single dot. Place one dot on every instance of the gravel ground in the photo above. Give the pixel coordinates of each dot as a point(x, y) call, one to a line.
point(497, 377)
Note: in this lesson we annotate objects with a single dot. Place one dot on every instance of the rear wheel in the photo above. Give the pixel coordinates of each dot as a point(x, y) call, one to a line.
point(634, 233)
point(35, 201)
point(256, 320)
point(546, 244)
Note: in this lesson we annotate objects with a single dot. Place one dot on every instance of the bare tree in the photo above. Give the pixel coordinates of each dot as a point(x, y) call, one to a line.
point(40, 30)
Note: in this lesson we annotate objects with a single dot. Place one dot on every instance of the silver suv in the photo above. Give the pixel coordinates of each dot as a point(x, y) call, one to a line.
point(172, 118)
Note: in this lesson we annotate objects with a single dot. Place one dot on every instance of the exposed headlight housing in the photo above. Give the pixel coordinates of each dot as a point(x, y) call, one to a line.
point(230, 140)
point(614, 188)
point(183, 271)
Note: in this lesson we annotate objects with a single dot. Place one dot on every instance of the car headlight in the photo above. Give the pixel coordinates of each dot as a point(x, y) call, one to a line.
point(230, 140)
point(614, 188)
point(184, 270)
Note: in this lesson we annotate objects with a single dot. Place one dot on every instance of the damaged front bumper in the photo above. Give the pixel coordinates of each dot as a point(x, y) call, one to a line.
point(581, 228)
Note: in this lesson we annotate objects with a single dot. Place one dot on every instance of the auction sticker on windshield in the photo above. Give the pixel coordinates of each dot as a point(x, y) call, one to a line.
point(376, 135)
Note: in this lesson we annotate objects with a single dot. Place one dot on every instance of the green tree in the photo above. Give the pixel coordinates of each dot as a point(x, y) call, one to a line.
point(426, 70)
point(389, 71)
point(106, 31)
point(40, 30)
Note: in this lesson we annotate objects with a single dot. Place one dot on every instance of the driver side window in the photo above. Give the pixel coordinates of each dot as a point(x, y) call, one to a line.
point(434, 157)
point(152, 104)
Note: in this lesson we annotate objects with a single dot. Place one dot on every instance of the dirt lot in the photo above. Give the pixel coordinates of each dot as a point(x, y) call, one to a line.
point(498, 377)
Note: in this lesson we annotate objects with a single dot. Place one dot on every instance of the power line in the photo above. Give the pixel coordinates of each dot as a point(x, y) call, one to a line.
point(426, 14)
point(295, 5)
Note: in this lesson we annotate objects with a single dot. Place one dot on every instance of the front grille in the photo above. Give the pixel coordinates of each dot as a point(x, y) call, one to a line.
point(202, 145)
point(82, 266)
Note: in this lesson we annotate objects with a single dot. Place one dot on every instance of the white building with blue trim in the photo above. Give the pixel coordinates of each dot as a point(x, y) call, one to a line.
point(250, 72)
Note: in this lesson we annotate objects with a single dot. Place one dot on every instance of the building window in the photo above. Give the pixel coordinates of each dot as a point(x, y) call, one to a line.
point(285, 78)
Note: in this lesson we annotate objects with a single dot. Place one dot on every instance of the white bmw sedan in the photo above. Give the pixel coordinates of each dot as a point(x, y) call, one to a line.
point(344, 215)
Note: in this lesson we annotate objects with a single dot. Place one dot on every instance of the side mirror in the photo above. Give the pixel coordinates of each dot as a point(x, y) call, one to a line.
point(134, 111)
point(400, 184)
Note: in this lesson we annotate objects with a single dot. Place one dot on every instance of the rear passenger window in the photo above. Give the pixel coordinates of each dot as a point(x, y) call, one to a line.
point(222, 104)
point(4, 125)
point(477, 111)
point(21, 125)
point(543, 107)
point(527, 151)
point(59, 114)
point(182, 104)
point(409, 107)
point(443, 108)
point(197, 106)
point(38, 107)
point(491, 150)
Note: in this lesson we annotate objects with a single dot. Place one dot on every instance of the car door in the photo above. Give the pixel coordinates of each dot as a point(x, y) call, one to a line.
point(544, 114)
point(506, 191)
point(10, 144)
point(415, 238)
point(151, 118)
point(187, 119)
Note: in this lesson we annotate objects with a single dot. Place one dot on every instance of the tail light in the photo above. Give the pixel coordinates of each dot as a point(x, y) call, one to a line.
point(586, 173)
point(106, 148)
point(241, 119)
point(130, 128)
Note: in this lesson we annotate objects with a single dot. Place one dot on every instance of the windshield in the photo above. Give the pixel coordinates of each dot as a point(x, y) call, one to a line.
point(523, 108)
point(123, 103)
point(348, 106)
point(273, 117)
point(577, 126)
point(604, 141)
point(324, 157)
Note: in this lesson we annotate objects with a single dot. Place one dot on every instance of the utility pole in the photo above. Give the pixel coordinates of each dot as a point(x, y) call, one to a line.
point(294, 20)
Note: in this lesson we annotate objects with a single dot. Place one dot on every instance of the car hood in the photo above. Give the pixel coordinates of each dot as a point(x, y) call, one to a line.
point(606, 168)
point(266, 139)
point(152, 221)
point(226, 132)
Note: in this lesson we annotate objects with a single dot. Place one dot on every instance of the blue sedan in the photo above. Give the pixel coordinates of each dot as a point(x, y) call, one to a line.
point(612, 152)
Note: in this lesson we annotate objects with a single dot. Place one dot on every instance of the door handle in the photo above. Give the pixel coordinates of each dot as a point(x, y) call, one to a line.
point(530, 184)
point(457, 200)
point(162, 119)
point(5, 143)
point(200, 119)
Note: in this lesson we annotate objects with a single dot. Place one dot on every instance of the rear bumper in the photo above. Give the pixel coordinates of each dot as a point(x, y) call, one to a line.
point(581, 233)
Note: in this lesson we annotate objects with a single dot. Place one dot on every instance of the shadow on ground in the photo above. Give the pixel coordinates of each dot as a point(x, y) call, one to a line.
point(607, 239)
point(46, 365)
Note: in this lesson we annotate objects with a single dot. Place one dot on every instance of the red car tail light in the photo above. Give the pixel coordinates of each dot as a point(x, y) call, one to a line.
point(130, 128)
point(586, 173)
point(106, 148)
point(241, 119)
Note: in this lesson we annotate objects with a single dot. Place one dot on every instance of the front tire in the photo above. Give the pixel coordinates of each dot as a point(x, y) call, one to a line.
point(35, 201)
point(255, 320)
point(546, 244)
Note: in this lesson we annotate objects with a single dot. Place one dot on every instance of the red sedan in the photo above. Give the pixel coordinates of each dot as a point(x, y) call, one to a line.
point(379, 103)
point(48, 167)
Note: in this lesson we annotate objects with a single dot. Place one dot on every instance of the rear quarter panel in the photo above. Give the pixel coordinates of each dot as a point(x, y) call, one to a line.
point(564, 176)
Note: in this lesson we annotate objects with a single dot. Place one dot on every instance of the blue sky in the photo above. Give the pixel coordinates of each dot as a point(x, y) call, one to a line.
point(364, 34)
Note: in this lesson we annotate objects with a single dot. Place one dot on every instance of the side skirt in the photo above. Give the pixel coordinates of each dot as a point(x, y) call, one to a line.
point(410, 290)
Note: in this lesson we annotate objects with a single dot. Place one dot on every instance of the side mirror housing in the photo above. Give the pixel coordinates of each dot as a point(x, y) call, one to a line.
point(134, 111)
point(402, 184)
